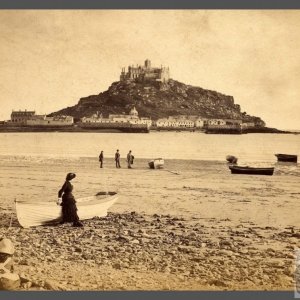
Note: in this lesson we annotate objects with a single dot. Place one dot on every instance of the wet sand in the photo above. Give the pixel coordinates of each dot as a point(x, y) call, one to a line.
point(191, 226)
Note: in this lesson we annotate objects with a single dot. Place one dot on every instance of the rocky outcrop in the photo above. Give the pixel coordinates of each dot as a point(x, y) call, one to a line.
point(158, 100)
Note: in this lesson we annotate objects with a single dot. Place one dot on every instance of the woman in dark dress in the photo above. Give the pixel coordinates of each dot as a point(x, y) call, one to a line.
point(69, 209)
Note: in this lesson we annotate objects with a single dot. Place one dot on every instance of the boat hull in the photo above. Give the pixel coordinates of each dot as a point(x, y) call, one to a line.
point(251, 171)
point(156, 163)
point(287, 157)
point(46, 213)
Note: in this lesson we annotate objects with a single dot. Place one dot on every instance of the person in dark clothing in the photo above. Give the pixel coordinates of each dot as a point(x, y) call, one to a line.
point(101, 159)
point(117, 159)
point(130, 158)
point(69, 208)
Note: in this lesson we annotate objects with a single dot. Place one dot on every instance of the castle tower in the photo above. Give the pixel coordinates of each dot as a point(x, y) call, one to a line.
point(145, 72)
point(147, 64)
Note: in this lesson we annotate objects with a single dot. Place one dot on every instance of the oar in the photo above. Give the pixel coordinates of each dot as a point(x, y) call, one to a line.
point(176, 173)
point(106, 181)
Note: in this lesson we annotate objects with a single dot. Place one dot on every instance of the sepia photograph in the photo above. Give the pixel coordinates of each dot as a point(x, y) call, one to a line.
point(150, 150)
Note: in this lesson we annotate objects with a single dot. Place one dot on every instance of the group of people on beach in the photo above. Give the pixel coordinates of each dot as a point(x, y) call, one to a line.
point(65, 195)
point(129, 159)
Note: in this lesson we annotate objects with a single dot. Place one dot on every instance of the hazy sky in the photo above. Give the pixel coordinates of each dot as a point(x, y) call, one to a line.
point(49, 59)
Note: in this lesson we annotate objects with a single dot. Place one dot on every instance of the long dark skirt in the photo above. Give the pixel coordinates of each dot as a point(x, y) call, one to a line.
point(69, 210)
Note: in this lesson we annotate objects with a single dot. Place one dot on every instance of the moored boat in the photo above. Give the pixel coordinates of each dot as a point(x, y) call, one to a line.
point(46, 213)
point(287, 157)
point(251, 170)
point(156, 163)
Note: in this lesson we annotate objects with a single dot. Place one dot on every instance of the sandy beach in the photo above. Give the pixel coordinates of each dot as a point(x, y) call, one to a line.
point(190, 226)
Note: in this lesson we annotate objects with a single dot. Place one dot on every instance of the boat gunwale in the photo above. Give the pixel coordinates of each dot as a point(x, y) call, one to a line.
point(251, 168)
point(96, 199)
point(286, 155)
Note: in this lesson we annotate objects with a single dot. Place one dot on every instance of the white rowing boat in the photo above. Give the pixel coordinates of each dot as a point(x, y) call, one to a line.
point(156, 163)
point(45, 213)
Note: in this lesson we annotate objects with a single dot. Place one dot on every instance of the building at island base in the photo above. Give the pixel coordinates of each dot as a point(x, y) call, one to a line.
point(51, 121)
point(223, 126)
point(199, 123)
point(119, 119)
point(145, 73)
point(129, 122)
point(123, 122)
point(21, 116)
point(29, 118)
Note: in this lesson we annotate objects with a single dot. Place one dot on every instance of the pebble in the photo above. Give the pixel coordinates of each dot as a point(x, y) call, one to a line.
point(290, 271)
point(243, 251)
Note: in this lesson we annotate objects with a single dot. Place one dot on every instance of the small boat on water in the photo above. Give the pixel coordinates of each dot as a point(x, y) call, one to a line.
point(156, 163)
point(46, 213)
point(287, 157)
point(251, 170)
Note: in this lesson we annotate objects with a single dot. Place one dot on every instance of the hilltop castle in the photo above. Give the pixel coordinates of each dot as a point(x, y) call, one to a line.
point(145, 73)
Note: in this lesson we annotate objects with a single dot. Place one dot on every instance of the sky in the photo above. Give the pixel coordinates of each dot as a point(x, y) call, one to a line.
point(49, 59)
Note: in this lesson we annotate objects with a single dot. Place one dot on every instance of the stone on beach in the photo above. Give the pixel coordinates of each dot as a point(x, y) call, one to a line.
point(9, 281)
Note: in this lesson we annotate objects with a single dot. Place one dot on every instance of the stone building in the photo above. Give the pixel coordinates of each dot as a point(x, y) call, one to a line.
point(31, 119)
point(223, 124)
point(145, 73)
point(43, 120)
point(21, 116)
point(131, 118)
point(193, 121)
point(248, 125)
point(176, 122)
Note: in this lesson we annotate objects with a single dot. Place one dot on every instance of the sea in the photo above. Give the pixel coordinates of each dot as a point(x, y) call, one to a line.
point(249, 148)
point(195, 182)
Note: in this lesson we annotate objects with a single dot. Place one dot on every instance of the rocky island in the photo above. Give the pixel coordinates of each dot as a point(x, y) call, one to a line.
point(154, 101)
point(154, 94)
point(158, 98)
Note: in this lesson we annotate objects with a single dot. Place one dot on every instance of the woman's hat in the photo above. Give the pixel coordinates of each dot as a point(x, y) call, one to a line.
point(6, 246)
point(70, 176)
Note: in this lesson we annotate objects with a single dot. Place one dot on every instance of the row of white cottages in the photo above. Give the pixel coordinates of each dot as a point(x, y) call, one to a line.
point(198, 122)
point(180, 121)
point(170, 122)
point(114, 118)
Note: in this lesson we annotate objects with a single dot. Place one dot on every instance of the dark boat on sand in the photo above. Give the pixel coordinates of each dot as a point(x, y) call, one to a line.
point(287, 157)
point(251, 170)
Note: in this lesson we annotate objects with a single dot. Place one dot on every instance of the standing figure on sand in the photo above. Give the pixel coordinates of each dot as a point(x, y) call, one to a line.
point(101, 157)
point(117, 159)
point(130, 159)
point(68, 203)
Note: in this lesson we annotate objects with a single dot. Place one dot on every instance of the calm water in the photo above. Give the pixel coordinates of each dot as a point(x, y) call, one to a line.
point(258, 148)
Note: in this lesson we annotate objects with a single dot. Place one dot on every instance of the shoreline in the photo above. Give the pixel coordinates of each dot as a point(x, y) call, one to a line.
point(77, 129)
